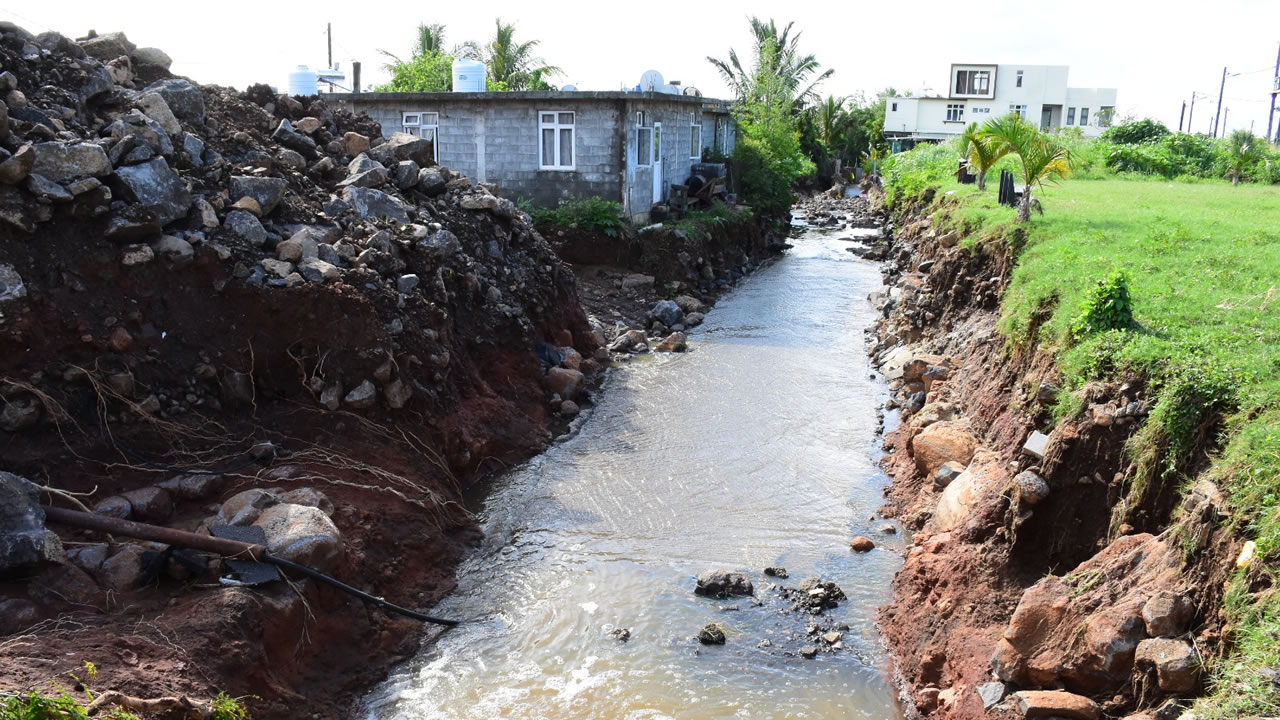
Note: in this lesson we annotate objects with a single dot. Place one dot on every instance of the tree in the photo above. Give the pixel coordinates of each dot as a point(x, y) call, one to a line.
point(981, 152)
point(1243, 152)
point(785, 62)
point(1043, 160)
point(428, 69)
point(512, 65)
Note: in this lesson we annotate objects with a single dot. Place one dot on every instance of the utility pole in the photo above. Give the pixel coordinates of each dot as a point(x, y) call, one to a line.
point(1182, 115)
point(1275, 88)
point(328, 31)
point(1192, 114)
point(1225, 113)
point(355, 76)
point(1218, 114)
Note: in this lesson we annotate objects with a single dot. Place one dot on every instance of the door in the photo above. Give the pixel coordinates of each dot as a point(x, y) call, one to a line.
point(1046, 118)
point(657, 163)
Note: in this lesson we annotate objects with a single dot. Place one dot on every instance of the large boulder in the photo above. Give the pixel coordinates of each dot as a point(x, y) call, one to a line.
point(403, 146)
point(566, 383)
point(1054, 705)
point(1081, 630)
point(183, 98)
point(23, 537)
point(157, 188)
point(667, 312)
point(59, 161)
point(375, 204)
point(1176, 663)
point(301, 534)
point(265, 191)
point(723, 583)
point(107, 46)
point(942, 442)
point(152, 56)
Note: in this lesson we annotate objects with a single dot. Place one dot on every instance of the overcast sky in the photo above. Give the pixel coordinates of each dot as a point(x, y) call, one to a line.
point(1156, 53)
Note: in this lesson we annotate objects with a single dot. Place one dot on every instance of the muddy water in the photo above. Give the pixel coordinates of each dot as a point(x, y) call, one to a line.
point(754, 449)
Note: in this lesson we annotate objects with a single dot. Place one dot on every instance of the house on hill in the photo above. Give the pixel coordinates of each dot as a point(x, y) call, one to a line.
point(630, 147)
point(1038, 93)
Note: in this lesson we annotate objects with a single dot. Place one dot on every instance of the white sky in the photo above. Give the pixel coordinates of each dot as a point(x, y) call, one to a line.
point(1155, 53)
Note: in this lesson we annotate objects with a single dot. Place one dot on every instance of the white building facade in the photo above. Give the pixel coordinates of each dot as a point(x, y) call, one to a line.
point(977, 92)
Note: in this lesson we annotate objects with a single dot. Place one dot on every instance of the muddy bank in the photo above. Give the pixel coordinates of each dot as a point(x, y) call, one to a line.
point(235, 308)
point(1030, 589)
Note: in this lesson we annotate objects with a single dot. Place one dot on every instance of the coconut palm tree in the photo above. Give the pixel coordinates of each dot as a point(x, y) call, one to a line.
point(828, 121)
point(512, 64)
point(981, 152)
point(1043, 160)
point(430, 39)
point(787, 64)
point(1243, 151)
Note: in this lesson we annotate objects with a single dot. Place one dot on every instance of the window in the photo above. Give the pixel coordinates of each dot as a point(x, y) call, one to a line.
point(423, 124)
point(973, 82)
point(644, 142)
point(557, 134)
point(980, 110)
point(1020, 109)
point(895, 107)
point(695, 137)
point(1071, 116)
point(1104, 116)
point(1084, 116)
point(955, 113)
point(1019, 84)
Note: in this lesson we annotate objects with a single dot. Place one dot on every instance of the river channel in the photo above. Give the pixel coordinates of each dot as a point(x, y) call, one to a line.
point(756, 448)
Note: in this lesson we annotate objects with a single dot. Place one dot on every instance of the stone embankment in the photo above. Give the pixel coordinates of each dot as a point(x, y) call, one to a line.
point(225, 308)
point(1022, 594)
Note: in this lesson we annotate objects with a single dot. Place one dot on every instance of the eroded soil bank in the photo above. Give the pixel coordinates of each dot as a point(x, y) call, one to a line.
point(1031, 588)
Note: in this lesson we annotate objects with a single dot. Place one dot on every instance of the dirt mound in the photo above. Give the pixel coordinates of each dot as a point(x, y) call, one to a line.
point(262, 289)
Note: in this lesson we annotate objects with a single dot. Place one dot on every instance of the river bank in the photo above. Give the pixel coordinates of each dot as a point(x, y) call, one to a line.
point(1021, 594)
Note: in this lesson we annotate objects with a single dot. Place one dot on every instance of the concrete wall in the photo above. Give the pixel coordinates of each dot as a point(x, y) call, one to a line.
point(495, 138)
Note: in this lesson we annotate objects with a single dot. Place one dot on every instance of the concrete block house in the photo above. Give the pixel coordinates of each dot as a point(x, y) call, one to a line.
point(977, 92)
point(629, 147)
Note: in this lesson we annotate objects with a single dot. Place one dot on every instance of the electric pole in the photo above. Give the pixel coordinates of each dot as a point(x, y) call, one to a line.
point(328, 30)
point(1275, 88)
point(1218, 114)
point(1225, 113)
point(1192, 114)
point(1182, 115)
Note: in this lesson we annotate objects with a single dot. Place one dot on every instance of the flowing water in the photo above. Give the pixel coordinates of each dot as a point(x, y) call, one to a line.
point(756, 448)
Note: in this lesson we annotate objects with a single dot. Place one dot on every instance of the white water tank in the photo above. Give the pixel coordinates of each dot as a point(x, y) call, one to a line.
point(468, 75)
point(302, 81)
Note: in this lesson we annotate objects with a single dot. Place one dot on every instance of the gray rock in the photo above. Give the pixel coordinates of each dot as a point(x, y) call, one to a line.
point(122, 570)
point(397, 393)
point(17, 211)
point(108, 46)
point(266, 191)
point(244, 508)
point(407, 283)
point(331, 396)
point(11, 286)
point(318, 271)
point(301, 534)
point(309, 497)
point(667, 312)
point(431, 181)
point(152, 105)
point(403, 146)
point(60, 161)
point(17, 615)
point(23, 537)
point(363, 397)
point(294, 140)
point(246, 227)
point(291, 159)
point(20, 412)
point(636, 281)
point(193, 486)
point(375, 204)
point(89, 557)
point(183, 98)
point(363, 163)
point(152, 56)
point(157, 188)
point(139, 137)
point(405, 174)
point(173, 249)
point(17, 167)
point(723, 583)
point(992, 693)
point(194, 148)
point(46, 189)
point(1031, 487)
point(374, 178)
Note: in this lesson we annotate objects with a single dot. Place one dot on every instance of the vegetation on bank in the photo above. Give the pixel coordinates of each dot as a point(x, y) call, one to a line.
point(509, 64)
point(1175, 282)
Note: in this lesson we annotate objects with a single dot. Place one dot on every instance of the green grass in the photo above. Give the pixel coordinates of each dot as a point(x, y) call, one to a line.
point(1201, 261)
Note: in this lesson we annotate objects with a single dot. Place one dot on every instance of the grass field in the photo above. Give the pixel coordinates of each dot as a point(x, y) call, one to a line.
point(1202, 264)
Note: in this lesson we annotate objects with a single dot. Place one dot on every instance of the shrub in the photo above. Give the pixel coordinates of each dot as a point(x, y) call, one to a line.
point(762, 186)
point(591, 214)
point(1138, 132)
point(1105, 307)
point(918, 169)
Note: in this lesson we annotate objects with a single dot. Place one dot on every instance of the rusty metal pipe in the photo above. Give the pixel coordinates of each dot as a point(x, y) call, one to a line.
point(221, 546)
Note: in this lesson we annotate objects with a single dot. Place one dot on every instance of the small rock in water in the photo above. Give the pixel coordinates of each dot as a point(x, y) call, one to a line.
point(808, 652)
point(712, 634)
point(620, 634)
point(722, 583)
point(831, 638)
point(765, 643)
point(889, 529)
point(861, 544)
point(778, 572)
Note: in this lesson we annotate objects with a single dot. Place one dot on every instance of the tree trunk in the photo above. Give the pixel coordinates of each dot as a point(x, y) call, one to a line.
point(1024, 205)
point(1235, 180)
point(982, 181)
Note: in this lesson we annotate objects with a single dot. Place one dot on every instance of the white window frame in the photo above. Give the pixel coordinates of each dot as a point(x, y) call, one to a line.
point(971, 77)
point(1020, 109)
point(1084, 117)
point(416, 123)
point(695, 148)
point(557, 126)
point(645, 160)
point(955, 112)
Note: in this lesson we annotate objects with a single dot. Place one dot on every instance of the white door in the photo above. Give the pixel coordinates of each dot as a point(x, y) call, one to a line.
point(657, 163)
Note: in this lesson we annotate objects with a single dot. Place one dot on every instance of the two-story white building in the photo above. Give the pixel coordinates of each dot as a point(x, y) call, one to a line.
point(977, 92)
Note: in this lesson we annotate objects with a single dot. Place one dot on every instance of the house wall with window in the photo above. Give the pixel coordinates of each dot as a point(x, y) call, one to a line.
point(553, 146)
point(975, 93)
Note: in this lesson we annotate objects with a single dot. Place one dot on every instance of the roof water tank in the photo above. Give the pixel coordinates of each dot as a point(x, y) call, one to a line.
point(468, 75)
point(570, 88)
point(302, 81)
